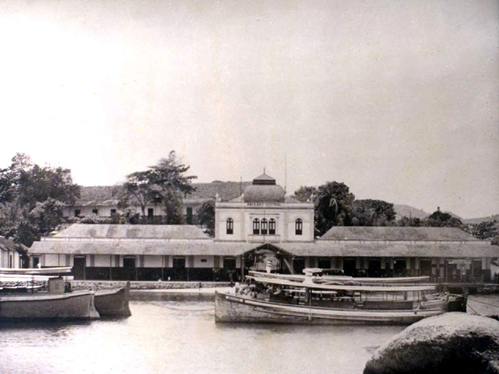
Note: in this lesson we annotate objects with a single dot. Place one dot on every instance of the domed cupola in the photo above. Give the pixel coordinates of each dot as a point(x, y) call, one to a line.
point(264, 190)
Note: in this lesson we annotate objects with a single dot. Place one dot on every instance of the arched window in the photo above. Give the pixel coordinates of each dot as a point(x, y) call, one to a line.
point(230, 226)
point(271, 226)
point(264, 226)
point(256, 226)
point(299, 227)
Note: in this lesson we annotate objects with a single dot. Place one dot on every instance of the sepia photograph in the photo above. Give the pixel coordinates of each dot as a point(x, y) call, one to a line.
point(251, 187)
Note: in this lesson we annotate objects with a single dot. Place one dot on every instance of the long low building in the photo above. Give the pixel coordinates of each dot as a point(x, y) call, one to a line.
point(144, 252)
point(264, 229)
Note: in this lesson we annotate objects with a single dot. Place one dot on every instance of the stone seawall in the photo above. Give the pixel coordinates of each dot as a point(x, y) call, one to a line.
point(144, 285)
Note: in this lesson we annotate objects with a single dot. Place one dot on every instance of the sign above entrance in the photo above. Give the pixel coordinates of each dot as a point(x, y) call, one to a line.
point(263, 204)
point(459, 262)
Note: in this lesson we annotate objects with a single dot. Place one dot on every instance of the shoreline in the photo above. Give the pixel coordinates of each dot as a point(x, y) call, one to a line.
point(205, 290)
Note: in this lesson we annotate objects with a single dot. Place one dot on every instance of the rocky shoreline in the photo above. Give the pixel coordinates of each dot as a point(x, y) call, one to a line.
point(450, 343)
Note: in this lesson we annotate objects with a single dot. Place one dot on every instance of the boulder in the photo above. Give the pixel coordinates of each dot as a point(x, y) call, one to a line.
point(450, 343)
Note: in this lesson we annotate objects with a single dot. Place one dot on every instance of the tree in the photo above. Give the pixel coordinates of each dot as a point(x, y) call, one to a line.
point(164, 183)
point(333, 204)
point(372, 213)
point(441, 219)
point(29, 183)
point(206, 216)
point(7, 186)
point(305, 193)
point(137, 189)
point(32, 199)
point(485, 230)
point(410, 221)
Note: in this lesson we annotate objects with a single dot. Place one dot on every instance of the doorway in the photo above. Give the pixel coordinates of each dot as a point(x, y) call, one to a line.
point(425, 266)
point(324, 263)
point(477, 271)
point(179, 270)
point(79, 268)
point(400, 268)
point(374, 268)
point(299, 264)
point(349, 266)
point(129, 268)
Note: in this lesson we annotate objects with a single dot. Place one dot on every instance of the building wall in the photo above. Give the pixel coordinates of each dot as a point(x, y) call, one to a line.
point(105, 211)
point(203, 262)
point(204, 267)
point(10, 259)
point(221, 216)
point(153, 261)
point(285, 216)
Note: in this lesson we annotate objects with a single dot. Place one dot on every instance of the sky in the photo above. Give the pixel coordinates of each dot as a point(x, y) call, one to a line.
point(398, 100)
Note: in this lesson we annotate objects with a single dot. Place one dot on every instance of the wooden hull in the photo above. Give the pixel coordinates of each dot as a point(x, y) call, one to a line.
point(232, 308)
point(74, 305)
point(113, 303)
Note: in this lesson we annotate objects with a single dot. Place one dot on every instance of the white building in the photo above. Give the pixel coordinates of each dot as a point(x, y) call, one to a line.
point(9, 256)
point(263, 214)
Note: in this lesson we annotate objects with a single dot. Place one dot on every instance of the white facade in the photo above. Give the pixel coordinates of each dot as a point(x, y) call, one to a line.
point(264, 215)
point(9, 257)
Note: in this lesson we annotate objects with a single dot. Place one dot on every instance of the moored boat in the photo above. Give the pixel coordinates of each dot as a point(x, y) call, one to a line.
point(39, 294)
point(113, 302)
point(73, 305)
point(274, 299)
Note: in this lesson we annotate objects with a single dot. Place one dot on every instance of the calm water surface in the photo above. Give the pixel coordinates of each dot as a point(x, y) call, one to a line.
point(177, 334)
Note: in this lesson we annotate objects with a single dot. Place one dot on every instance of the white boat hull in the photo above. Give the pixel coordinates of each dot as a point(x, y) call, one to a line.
point(232, 308)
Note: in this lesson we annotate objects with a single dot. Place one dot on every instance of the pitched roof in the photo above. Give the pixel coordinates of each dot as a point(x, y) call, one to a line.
point(132, 232)
point(397, 234)
point(98, 196)
point(209, 247)
point(264, 179)
point(436, 249)
point(108, 195)
point(7, 244)
point(226, 190)
point(141, 247)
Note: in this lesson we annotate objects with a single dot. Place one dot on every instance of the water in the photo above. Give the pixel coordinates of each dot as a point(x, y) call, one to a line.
point(177, 334)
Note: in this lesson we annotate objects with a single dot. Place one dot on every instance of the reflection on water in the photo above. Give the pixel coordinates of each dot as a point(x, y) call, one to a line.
point(176, 333)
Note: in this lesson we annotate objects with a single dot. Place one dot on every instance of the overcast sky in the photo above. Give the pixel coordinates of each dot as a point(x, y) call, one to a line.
point(397, 99)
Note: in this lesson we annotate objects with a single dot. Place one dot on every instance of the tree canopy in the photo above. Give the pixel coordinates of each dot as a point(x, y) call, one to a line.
point(206, 216)
point(32, 198)
point(485, 230)
point(441, 219)
point(164, 183)
point(335, 205)
point(372, 213)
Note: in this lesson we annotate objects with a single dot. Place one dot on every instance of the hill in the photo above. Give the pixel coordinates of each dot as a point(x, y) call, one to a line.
point(409, 211)
point(494, 217)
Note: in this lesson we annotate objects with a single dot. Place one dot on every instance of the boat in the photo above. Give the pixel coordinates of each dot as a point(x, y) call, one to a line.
point(113, 302)
point(23, 297)
point(275, 299)
point(74, 305)
point(317, 277)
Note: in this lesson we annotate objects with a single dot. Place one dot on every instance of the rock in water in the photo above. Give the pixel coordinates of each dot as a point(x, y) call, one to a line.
point(450, 343)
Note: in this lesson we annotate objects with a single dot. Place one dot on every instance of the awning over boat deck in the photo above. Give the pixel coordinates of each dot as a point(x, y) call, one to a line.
point(323, 248)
